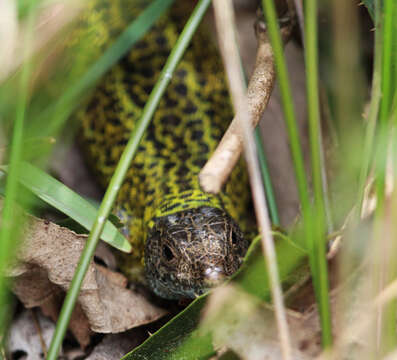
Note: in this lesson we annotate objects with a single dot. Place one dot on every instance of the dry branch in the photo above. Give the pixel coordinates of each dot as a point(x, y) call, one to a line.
point(218, 168)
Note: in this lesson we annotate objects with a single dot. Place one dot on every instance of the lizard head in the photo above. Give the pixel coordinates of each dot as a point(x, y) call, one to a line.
point(189, 252)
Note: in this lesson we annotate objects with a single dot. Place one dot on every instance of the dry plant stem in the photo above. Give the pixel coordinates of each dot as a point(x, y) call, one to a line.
point(224, 16)
point(49, 22)
point(299, 13)
point(218, 168)
point(39, 331)
point(8, 33)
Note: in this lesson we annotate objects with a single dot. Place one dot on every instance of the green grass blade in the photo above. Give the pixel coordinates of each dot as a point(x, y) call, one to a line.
point(60, 110)
point(267, 182)
point(385, 105)
point(121, 170)
point(389, 58)
point(68, 202)
point(373, 111)
point(288, 106)
point(25, 7)
point(311, 237)
point(9, 222)
point(319, 269)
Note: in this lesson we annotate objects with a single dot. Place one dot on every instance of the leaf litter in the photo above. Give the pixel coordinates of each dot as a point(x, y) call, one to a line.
point(42, 272)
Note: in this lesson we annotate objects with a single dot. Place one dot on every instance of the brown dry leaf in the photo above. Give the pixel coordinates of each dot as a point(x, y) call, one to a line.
point(78, 324)
point(45, 265)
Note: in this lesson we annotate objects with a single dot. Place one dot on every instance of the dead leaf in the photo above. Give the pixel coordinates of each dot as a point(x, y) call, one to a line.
point(78, 324)
point(45, 264)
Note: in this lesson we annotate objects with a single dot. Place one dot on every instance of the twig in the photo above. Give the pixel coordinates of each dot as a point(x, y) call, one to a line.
point(39, 331)
point(218, 168)
point(301, 21)
point(225, 24)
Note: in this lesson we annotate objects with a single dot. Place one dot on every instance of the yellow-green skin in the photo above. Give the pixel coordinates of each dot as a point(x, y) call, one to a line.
point(162, 182)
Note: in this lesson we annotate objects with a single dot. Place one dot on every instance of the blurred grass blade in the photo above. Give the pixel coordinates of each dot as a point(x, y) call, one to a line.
point(312, 238)
point(9, 222)
point(61, 109)
point(32, 148)
point(121, 171)
point(288, 106)
point(386, 101)
point(26, 6)
point(387, 272)
point(68, 202)
point(319, 268)
point(372, 115)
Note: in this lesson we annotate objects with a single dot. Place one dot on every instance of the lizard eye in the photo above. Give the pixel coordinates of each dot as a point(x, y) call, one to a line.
point(168, 254)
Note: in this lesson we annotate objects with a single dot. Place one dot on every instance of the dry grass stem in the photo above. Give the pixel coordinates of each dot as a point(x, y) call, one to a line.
point(8, 34)
point(50, 20)
point(391, 356)
point(387, 294)
point(224, 16)
point(37, 325)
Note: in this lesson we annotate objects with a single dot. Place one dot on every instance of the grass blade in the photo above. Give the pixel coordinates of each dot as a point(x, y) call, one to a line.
point(372, 113)
point(267, 182)
point(288, 106)
point(386, 273)
point(386, 91)
point(318, 249)
point(121, 170)
point(68, 202)
point(9, 226)
point(312, 242)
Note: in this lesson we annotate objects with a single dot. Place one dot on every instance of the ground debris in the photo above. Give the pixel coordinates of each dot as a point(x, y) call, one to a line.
point(114, 347)
point(43, 270)
point(25, 339)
